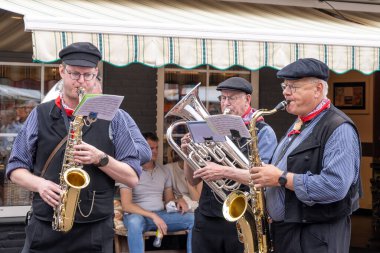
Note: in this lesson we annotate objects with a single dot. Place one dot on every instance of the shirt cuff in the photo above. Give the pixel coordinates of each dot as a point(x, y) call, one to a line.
point(299, 182)
point(13, 166)
point(135, 165)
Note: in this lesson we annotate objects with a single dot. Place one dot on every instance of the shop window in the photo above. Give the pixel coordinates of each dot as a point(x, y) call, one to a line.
point(22, 86)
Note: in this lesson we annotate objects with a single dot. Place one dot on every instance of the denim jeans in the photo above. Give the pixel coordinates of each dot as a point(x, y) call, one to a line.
point(137, 224)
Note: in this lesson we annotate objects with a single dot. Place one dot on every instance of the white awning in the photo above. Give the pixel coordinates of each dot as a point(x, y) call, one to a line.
point(190, 33)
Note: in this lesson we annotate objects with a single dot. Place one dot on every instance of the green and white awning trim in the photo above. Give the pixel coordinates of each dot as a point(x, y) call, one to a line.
point(121, 50)
point(190, 33)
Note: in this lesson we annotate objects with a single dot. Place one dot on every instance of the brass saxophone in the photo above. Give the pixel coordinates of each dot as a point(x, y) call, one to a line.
point(252, 219)
point(72, 178)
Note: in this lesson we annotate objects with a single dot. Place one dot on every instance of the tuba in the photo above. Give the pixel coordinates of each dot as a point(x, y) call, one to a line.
point(190, 108)
point(252, 220)
point(72, 177)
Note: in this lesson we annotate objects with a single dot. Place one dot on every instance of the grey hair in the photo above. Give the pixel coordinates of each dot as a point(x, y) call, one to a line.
point(323, 82)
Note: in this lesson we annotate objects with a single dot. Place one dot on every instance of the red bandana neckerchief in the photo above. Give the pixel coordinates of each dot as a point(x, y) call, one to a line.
point(247, 116)
point(325, 104)
point(58, 103)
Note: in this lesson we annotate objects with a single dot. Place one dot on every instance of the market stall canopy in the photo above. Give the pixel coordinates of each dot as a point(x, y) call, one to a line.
point(190, 33)
point(19, 93)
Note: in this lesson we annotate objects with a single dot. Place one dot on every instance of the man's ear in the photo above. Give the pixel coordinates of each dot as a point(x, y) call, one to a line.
point(61, 70)
point(249, 97)
point(319, 89)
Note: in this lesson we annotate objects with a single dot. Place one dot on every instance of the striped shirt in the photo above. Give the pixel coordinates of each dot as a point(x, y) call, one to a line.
point(143, 149)
point(340, 169)
point(267, 142)
point(24, 147)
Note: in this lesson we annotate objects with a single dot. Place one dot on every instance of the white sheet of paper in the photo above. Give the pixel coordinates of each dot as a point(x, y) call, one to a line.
point(104, 105)
point(223, 123)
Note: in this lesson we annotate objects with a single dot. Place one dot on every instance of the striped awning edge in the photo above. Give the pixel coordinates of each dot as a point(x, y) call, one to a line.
point(121, 50)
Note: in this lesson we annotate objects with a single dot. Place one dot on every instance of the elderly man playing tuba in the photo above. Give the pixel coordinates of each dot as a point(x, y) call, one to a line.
point(211, 232)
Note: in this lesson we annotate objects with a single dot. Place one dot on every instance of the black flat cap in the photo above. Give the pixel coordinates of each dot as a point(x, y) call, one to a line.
point(83, 54)
point(235, 83)
point(307, 67)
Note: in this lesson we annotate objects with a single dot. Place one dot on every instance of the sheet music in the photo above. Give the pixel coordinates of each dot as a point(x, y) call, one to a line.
point(105, 106)
point(224, 123)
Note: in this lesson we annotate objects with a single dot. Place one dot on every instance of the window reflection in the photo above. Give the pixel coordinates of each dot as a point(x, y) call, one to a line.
point(20, 92)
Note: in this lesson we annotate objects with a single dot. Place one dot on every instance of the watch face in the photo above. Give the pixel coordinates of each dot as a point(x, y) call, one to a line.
point(104, 161)
point(282, 180)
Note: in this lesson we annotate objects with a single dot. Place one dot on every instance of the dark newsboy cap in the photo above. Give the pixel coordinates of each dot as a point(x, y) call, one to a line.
point(307, 67)
point(83, 54)
point(235, 83)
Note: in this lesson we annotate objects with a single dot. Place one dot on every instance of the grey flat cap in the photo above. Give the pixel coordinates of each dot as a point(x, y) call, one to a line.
point(83, 54)
point(307, 67)
point(235, 83)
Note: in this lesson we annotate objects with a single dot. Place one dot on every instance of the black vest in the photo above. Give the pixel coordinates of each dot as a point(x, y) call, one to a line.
point(208, 204)
point(308, 156)
point(51, 130)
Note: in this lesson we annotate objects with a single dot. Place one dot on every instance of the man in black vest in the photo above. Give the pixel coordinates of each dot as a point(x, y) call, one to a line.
point(313, 181)
point(211, 231)
point(107, 153)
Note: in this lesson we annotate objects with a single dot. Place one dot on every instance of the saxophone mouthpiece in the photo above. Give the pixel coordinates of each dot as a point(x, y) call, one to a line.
point(80, 92)
point(281, 105)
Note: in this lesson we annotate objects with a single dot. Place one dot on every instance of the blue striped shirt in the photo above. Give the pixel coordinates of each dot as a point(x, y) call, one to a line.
point(267, 142)
point(24, 147)
point(341, 164)
point(143, 149)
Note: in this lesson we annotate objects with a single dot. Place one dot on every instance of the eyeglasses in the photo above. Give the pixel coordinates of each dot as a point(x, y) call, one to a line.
point(232, 99)
point(292, 88)
point(76, 75)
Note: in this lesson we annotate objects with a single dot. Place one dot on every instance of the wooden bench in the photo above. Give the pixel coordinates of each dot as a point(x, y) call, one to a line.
point(121, 242)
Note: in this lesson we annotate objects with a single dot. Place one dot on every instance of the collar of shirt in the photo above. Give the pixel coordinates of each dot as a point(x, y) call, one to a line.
point(301, 121)
point(59, 102)
point(248, 115)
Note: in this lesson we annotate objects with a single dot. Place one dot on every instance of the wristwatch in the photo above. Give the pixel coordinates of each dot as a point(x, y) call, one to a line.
point(103, 161)
point(282, 180)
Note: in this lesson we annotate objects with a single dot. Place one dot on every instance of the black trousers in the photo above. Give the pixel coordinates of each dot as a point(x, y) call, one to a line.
point(214, 234)
point(95, 237)
point(327, 237)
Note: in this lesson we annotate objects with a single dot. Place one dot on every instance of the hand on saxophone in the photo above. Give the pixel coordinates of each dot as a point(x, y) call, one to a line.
point(266, 175)
point(49, 192)
point(86, 154)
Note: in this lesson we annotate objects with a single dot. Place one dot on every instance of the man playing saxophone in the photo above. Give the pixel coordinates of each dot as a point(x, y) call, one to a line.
point(211, 232)
point(107, 153)
point(313, 181)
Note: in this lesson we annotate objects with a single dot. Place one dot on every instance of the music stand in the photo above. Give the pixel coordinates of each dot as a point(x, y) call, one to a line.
point(200, 132)
point(228, 125)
